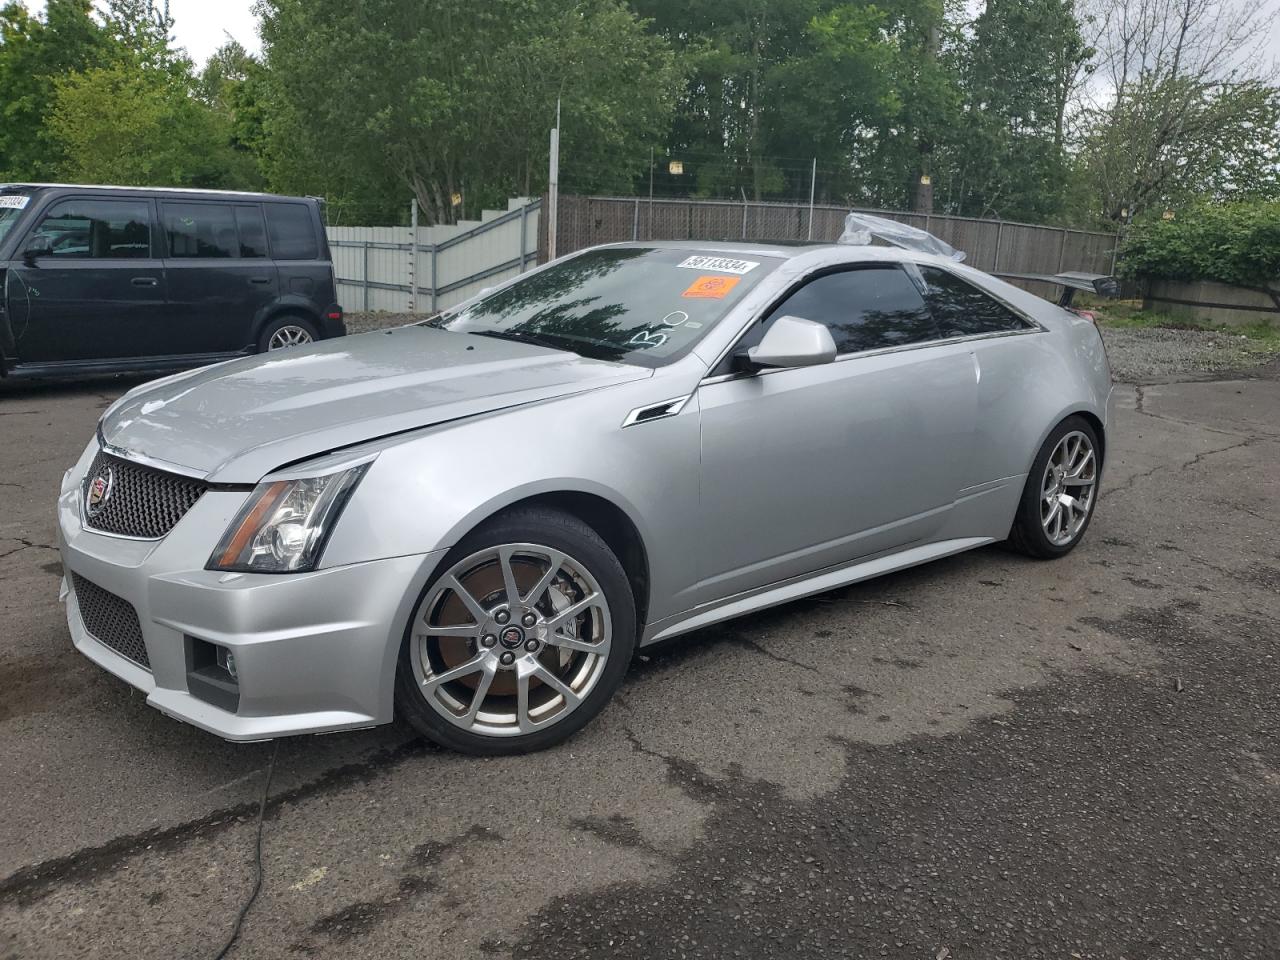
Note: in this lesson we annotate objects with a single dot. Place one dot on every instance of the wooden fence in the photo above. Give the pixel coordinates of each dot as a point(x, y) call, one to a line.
point(996, 246)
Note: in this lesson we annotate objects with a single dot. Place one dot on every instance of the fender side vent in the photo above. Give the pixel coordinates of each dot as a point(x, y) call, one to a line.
point(656, 411)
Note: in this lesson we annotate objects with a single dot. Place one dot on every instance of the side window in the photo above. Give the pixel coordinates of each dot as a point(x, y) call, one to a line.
point(253, 232)
point(201, 230)
point(961, 309)
point(96, 229)
point(292, 231)
point(865, 309)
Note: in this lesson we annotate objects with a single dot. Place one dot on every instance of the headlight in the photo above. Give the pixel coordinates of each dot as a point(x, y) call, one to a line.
point(285, 523)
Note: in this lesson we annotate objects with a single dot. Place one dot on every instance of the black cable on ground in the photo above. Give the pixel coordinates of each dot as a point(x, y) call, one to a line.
point(257, 856)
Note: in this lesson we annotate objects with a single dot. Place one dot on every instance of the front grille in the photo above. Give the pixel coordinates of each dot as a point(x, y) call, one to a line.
point(140, 501)
point(111, 620)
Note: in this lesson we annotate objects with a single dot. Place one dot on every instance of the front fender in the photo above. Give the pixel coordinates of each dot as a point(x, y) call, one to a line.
point(427, 492)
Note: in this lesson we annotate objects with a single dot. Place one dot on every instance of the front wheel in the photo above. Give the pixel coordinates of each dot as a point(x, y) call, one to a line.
point(1061, 492)
point(521, 638)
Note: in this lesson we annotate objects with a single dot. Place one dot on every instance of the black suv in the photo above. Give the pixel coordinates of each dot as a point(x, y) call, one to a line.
point(106, 279)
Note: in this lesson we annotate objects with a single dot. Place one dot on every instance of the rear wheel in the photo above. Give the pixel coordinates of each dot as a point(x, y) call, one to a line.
point(521, 638)
point(284, 332)
point(1061, 492)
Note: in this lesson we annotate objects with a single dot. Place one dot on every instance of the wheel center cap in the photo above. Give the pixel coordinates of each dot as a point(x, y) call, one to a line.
point(511, 637)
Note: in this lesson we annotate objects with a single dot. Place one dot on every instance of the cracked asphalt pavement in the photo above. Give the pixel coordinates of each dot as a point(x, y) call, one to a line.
point(983, 757)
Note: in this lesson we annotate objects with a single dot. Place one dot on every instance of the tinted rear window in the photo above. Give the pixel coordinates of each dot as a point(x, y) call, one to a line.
point(961, 309)
point(201, 230)
point(292, 231)
point(253, 232)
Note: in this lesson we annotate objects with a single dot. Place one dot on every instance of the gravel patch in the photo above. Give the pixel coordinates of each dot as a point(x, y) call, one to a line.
point(1136, 355)
point(1139, 355)
point(365, 322)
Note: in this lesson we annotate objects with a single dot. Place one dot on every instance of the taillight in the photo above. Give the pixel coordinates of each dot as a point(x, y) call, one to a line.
point(1086, 315)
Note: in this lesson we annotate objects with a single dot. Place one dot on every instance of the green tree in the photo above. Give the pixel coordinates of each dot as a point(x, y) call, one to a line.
point(1171, 141)
point(453, 99)
point(130, 125)
point(1017, 71)
point(142, 31)
point(233, 85)
point(858, 86)
point(34, 52)
point(1234, 243)
point(736, 54)
point(906, 144)
point(1186, 109)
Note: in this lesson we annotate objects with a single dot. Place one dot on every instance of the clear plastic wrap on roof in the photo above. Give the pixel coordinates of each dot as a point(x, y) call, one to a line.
point(861, 228)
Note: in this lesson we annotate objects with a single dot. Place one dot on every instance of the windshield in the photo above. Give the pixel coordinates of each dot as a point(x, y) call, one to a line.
point(11, 207)
point(627, 304)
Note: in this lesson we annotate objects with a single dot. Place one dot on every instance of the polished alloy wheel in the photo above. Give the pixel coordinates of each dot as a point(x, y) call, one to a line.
point(510, 640)
point(1068, 487)
point(289, 336)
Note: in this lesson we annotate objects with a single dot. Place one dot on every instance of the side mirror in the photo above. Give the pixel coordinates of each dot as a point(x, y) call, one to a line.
point(791, 342)
point(41, 248)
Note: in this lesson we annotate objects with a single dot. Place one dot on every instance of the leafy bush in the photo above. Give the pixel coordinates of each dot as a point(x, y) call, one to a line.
point(1234, 243)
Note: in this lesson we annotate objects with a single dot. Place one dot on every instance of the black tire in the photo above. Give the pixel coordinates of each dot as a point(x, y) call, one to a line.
point(276, 324)
point(559, 531)
point(1028, 535)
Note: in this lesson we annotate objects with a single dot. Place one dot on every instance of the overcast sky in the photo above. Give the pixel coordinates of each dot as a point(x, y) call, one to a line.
point(202, 25)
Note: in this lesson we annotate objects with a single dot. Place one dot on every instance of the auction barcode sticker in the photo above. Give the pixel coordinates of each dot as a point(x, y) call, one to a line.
point(13, 202)
point(719, 265)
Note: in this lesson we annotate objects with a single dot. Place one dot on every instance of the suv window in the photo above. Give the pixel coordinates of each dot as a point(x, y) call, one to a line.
point(96, 229)
point(253, 231)
point(201, 230)
point(292, 231)
point(867, 308)
point(961, 309)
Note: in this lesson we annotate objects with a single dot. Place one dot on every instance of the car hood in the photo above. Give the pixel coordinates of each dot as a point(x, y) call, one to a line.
point(237, 421)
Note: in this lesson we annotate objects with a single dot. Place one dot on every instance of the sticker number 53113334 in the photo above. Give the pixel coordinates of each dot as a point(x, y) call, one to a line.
point(720, 264)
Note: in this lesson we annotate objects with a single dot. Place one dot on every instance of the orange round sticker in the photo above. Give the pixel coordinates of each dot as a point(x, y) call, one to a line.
point(711, 288)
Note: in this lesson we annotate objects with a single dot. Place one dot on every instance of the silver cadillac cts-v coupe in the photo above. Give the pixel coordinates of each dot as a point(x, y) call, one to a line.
point(476, 521)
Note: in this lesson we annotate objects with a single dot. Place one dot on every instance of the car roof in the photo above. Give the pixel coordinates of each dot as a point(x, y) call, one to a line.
point(779, 249)
point(786, 250)
point(180, 191)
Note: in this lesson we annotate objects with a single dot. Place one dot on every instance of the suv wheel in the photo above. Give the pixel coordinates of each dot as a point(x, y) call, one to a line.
point(286, 332)
point(521, 638)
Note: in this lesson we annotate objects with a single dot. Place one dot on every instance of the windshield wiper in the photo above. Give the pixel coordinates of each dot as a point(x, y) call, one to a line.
point(519, 336)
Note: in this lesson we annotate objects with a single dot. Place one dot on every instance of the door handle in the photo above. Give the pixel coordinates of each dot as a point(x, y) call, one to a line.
point(259, 279)
point(145, 282)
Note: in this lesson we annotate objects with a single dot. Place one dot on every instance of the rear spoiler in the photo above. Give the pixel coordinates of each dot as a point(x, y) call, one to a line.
point(1099, 284)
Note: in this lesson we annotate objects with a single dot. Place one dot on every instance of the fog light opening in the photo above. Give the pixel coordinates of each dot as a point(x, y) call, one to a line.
point(213, 674)
point(227, 661)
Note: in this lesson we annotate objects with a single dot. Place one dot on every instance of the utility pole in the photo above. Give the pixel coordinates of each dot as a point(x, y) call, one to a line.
point(813, 186)
point(553, 187)
point(924, 186)
point(651, 193)
point(413, 255)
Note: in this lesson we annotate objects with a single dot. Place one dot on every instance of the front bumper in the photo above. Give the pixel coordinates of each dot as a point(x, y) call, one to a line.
point(315, 652)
